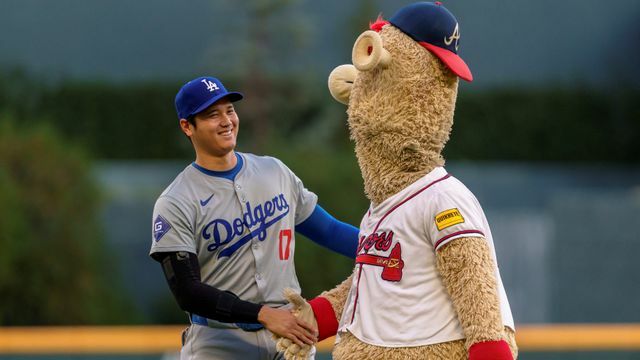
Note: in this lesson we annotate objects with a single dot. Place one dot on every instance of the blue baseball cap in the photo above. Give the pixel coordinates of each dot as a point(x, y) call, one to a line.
point(198, 94)
point(435, 28)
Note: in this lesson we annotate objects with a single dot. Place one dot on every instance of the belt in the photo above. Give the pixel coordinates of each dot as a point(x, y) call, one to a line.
point(199, 320)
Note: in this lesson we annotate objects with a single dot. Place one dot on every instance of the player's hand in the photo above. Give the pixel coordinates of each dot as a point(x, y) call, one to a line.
point(302, 310)
point(284, 324)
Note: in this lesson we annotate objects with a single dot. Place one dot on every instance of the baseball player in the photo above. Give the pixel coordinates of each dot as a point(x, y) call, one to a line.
point(224, 232)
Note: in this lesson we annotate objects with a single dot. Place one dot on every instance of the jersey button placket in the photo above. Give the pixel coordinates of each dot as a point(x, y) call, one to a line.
point(241, 195)
point(256, 244)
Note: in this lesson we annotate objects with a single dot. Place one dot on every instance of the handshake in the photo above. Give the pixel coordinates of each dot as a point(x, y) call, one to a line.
point(294, 331)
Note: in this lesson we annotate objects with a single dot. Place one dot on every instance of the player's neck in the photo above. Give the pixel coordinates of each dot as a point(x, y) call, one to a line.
point(217, 163)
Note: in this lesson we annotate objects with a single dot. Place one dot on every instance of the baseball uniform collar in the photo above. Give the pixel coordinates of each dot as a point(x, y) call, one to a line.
point(228, 174)
point(420, 184)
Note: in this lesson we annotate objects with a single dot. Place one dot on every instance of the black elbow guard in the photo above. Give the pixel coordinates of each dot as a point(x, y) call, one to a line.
point(183, 275)
point(182, 272)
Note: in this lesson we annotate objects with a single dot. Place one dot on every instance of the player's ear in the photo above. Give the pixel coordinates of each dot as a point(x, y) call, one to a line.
point(185, 126)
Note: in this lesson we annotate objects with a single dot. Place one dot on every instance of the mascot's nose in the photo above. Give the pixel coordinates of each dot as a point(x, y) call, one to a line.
point(368, 52)
point(340, 82)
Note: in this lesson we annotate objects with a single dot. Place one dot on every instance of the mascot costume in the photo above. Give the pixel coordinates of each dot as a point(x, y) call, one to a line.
point(426, 283)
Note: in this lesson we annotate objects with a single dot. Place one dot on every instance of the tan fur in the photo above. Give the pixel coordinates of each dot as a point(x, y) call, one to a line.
point(468, 272)
point(400, 119)
point(350, 348)
point(338, 296)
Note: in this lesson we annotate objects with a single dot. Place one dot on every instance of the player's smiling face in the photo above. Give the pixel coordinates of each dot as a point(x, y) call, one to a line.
point(216, 129)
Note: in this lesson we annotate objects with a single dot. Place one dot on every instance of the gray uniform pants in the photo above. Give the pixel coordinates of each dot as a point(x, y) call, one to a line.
point(204, 343)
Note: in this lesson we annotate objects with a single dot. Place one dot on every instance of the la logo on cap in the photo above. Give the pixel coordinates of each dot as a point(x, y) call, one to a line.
point(211, 86)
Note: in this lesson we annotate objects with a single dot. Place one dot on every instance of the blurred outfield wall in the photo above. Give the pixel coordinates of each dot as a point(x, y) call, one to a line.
point(565, 236)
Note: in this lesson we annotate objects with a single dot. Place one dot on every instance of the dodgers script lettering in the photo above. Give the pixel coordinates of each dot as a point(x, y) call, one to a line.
point(254, 222)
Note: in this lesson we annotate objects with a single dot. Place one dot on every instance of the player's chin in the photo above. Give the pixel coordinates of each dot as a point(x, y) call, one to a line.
point(227, 144)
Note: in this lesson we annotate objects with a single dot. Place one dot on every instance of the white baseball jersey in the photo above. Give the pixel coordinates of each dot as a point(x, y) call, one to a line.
point(397, 297)
point(242, 231)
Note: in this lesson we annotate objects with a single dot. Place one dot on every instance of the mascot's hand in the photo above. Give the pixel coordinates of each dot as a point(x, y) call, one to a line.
point(302, 310)
point(490, 350)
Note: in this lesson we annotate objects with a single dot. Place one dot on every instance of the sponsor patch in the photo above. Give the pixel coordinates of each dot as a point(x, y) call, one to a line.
point(160, 227)
point(448, 218)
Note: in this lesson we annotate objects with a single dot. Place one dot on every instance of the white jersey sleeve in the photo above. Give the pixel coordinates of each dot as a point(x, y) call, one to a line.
point(172, 229)
point(305, 200)
point(454, 212)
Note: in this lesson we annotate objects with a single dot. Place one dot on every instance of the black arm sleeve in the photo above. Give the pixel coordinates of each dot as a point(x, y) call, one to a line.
point(182, 271)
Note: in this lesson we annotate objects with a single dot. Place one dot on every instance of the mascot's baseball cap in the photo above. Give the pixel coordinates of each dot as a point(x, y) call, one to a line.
point(198, 94)
point(435, 28)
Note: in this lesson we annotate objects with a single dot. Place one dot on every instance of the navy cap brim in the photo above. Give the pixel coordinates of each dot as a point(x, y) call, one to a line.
point(233, 96)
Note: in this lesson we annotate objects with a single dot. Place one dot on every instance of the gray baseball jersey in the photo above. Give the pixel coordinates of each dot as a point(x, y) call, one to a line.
point(242, 231)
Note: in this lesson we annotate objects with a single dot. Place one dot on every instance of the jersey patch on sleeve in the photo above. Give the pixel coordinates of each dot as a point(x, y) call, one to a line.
point(160, 227)
point(448, 218)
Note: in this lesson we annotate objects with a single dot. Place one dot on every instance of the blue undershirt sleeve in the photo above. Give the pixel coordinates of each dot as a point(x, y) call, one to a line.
point(328, 232)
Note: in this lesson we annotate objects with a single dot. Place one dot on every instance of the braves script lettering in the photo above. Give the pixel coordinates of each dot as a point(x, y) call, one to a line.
point(382, 241)
point(254, 222)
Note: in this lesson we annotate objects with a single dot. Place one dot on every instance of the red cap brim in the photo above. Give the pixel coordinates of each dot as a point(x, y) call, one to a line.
point(452, 60)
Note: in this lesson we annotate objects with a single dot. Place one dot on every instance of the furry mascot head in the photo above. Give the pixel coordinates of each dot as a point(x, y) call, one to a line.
point(401, 92)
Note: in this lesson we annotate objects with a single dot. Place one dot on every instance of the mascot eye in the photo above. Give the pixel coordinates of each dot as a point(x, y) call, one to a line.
point(368, 52)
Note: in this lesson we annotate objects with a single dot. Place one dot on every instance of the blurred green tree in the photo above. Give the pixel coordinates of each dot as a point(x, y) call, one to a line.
point(264, 54)
point(137, 121)
point(53, 262)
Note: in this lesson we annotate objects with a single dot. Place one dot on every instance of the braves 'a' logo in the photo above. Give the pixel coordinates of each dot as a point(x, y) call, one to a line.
point(455, 36)
point(392, 265)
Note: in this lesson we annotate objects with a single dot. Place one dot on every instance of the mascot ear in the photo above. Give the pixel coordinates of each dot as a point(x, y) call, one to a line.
point(340, 82)
point(368, 52)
